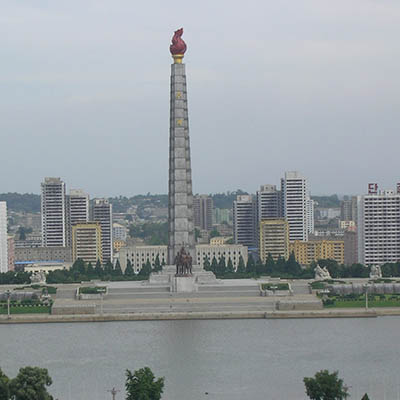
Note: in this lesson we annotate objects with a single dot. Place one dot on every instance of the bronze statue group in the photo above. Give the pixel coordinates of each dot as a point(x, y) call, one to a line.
point(183, 262)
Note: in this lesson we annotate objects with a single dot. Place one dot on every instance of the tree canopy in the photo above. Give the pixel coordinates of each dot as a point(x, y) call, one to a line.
point(325, 386)
point(31, 384)
point(141, 385)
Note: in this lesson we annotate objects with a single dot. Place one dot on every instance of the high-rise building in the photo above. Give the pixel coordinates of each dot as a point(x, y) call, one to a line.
point(53, 212)
point(348, 209)
point(244, 221)
point(350, 246)
point(310, 215)
point(86, 242)
point(11, 253)
point(378, 226)
point(77, 210)
point(102, 213)
point(269, 203)
point(3, 237)
point(295, 196)
point(202, 212)
point(274, 239)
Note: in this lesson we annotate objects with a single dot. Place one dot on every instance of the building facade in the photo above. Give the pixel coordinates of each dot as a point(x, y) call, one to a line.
point(53, 213)
point(86, 242)
point(102, 213)
point(62, 254)
point(3, 237)
point(77, 210)
point(314, 250)
point(138, 255)
point(203, 212)
point(244, 221)
point(120, 232)
point(378, 225)
point(295, 196)
point(274, 239)
point(10, 253)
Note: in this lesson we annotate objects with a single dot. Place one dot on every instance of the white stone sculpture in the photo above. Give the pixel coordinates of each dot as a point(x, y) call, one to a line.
point(376, 272)
point(321, 273)
point(38, 277)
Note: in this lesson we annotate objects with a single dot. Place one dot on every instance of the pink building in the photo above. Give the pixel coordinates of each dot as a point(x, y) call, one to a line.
point(10, 252)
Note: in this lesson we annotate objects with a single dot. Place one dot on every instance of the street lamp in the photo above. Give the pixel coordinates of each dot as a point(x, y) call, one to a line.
point(113, 392)
point(8, 294)
point(366, 286)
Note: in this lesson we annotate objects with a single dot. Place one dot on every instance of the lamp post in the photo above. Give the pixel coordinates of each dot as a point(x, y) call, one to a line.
point(8, 293)
point(113, 392)
point(366, 286)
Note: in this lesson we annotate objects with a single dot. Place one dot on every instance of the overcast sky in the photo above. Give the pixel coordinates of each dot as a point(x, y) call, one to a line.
point(308, 85)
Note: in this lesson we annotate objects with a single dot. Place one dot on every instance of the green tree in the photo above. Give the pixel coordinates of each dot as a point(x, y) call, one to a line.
point(241, 269)
point(229, 267)
point(4, 386)
point(214, 233)
point(365, 397)
point(117, 269)
point(157, 264)
point(146, 269)
point(214, 265)
point(129, 271)
point(251, 266)
point(280, 265)
point(260, 267)
point(30, 384)
point(79, 266)
point(98, 269)
point(221, 268)
point(108, 267)
point(292, 266)
point(325, 386)
point(90, 269)
point(141, 385)
point(269, 264)
point(206, 263)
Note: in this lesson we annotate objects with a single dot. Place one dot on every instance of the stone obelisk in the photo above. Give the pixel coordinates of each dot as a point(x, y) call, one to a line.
point(180, 196)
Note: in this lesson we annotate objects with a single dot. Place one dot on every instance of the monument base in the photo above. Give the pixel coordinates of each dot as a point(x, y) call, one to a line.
point(182, 283)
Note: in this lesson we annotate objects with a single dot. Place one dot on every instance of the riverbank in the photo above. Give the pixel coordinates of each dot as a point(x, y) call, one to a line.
point(337, 313)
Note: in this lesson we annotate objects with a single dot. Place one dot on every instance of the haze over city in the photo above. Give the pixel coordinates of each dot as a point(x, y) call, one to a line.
point(306, 85)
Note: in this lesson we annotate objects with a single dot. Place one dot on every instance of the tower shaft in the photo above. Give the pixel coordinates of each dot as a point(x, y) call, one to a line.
point(180, 196)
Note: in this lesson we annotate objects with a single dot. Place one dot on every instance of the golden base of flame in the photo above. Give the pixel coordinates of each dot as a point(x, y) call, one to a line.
point(177, 58)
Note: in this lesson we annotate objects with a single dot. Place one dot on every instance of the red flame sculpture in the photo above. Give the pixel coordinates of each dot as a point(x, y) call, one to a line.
point(178, 46)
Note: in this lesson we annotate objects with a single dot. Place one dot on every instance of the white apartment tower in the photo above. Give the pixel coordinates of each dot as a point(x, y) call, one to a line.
point(77, 210)
point(295, 199)
point(102, 212)
point(53, 210)
point(378, 223)
point(269, 203)
point(310, 215)
point(3, 237)
point(244, 220)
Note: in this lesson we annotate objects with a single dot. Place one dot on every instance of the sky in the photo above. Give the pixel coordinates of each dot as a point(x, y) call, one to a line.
point(273, 86)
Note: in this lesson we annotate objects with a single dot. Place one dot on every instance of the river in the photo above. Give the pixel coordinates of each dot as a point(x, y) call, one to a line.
point(228, 359)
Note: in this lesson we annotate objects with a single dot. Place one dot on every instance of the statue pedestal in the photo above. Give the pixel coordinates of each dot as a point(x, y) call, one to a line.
point(184, 284)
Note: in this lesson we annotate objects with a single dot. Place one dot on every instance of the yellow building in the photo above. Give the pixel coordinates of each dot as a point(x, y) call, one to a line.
point(274, 239)
point(314, 250)
point(118, 244)
point(86, 242)
point(219, 240)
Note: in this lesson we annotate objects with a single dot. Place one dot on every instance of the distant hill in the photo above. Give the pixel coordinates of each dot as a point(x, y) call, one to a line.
point(27, 202)
point(327, 201)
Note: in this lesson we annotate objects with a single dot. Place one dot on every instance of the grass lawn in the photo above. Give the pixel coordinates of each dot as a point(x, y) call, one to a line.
point(373, 302)
point(26, 310)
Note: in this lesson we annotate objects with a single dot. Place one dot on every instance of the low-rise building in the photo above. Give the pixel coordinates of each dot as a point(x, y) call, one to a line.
point(138, 255)
point(314, 250)
point(43, 254)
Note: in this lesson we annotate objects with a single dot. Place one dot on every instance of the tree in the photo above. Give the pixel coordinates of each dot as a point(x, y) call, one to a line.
point(241, 269)
point(4, 386)
point(365, 397)
point(117, 269)
point(30, 384)
point(214, 265)
point(206, 263)
point(98, 269)
point(250, 267)
point(146, 269)
point(269, 264)
point(129, 270)
point(79, 266)
point(325, 386)
point(280, 265)
point(221, 268)
point(157, 264)
point(90, 269)
point(260, 267)
point(292, 266)
point(108, 267)
point(141, 385)
point(229, 267)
